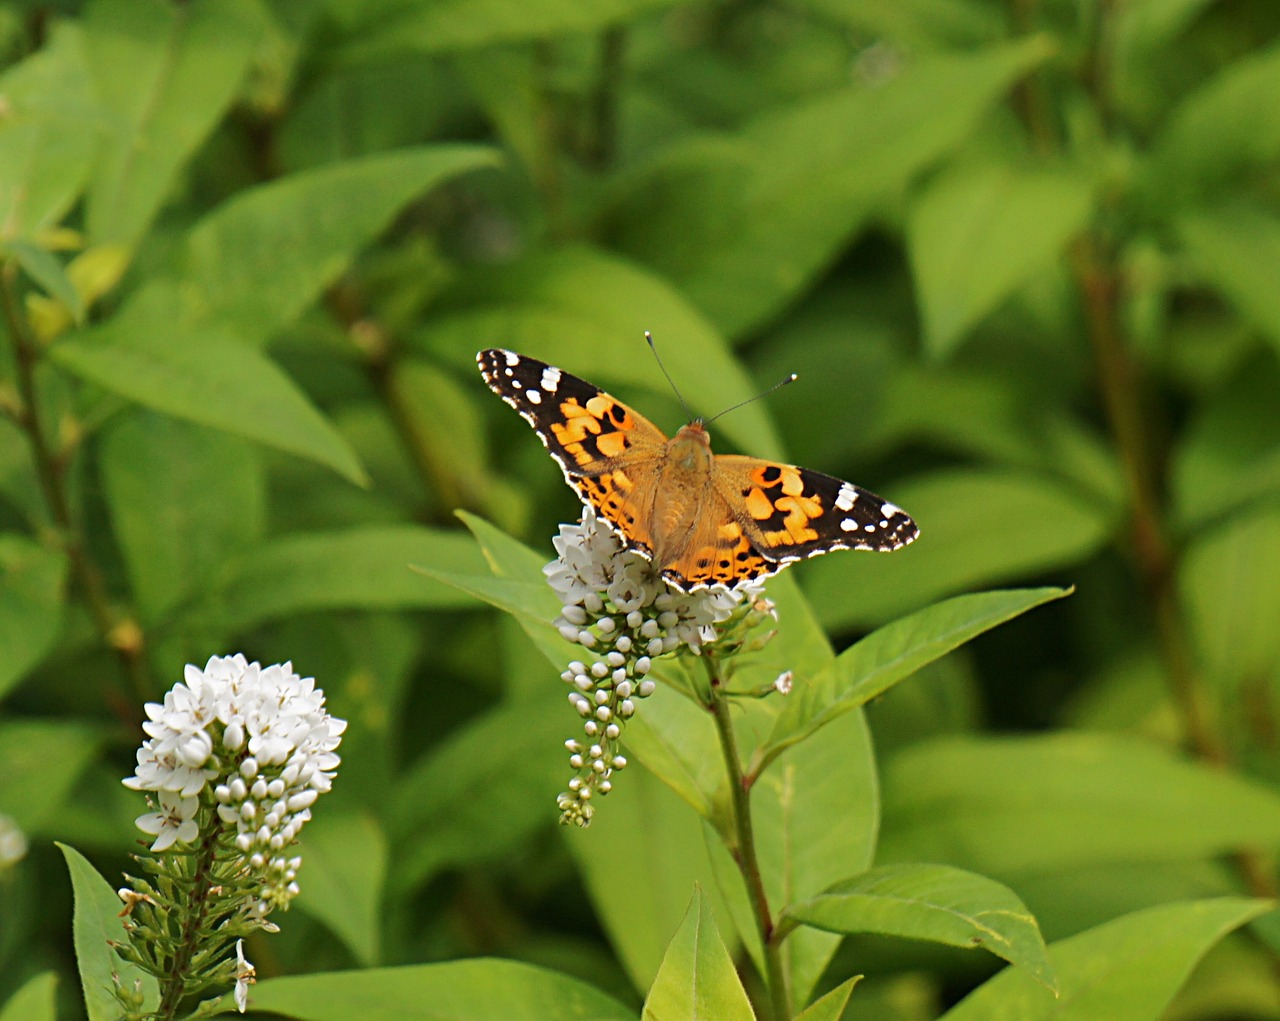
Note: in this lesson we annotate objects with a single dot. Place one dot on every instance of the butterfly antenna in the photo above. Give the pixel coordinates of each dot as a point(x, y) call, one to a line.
point(764, 393)
point(654, 348)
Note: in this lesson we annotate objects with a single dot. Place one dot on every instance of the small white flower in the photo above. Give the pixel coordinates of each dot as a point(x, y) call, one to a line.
point(246, 975)
point(173, 823)
point(783, 683)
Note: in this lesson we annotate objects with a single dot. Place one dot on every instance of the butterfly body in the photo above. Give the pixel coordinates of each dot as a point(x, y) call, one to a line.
point(702, 518)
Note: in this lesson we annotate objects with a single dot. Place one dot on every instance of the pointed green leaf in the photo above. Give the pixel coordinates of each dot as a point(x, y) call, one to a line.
point(870, 667)
point(1032, 525)
point(976, 234)
point(831, 1006)
point(97, 921)
point(45, 269)
point(475, 990)
point(34, 1001)
point(1130, 968)
point(697, 980)
point(1012, 806)
point(48, 135)
point(263, 256)
point(932, 902)
point(362, 568)
point(164, 75)
point(745, 223)
point(346, 856)
point(206, 377)
point(31, 592)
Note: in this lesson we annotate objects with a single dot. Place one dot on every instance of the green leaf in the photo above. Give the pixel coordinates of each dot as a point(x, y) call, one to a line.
point(205, 377)
point(1226, 126)
point(346, 859)
point(178, 526)
point(1231, 589)
point(164, 77)
point(912, 26)
point(391, 26)
point(48, 135)
point(45, 269)
point(362, 568)
point(481, 792)
point(41, 761)
point(1017, 806)
point(932, 902)
point(1031, 525)
point(644, 832)
point(34, 1001)
point(697, 980)
point(977, 234)
point(95, 922)
point(831, 1006)
point(890, 654)
point(262, 257)
point(474, 990)
point(1130, 968)
point(1233, 248)
point(586, 311)
point(744, 224)
point(31, 590)
point(676, 740)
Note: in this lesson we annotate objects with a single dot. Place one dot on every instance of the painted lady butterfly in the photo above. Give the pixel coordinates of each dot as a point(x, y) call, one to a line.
point(703, 518)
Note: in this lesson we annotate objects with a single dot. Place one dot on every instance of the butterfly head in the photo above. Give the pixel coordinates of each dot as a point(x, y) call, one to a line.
point(690, 448)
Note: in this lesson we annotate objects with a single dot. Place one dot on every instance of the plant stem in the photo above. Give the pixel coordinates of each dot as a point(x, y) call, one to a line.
point(122, 636)
point(743, 849)
point(173, 986)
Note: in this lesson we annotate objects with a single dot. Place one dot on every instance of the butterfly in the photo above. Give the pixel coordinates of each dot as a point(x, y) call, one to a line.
point(702, 518)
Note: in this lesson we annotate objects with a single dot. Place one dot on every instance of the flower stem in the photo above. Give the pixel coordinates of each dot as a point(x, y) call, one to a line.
point(743, 848)
point(173, 986)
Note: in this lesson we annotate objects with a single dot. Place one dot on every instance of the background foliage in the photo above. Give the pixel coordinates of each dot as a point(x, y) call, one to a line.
point(1022, 254)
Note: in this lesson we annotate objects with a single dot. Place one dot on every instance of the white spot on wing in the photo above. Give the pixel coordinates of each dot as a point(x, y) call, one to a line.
point(846, 497)
point(550, 379)
point(513, 359)
point(889, 510)
point(848, 525)
point(534, 396)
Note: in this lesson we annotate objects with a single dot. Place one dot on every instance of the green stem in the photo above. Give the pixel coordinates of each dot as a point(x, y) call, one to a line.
point(602, 135)
point(122, 636)
point(173, 985)
point(743, 849)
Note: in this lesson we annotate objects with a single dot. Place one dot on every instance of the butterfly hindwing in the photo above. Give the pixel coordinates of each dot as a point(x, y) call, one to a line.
point(790, 513)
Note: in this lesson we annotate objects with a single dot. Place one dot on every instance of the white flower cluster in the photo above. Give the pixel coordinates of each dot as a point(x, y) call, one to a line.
point(621, 610)
point(259, 743)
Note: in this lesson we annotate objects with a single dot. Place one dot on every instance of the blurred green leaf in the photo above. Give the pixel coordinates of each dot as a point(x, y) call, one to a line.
point(34, 1001)
point(1231, 588)
point(48, 135)
point(31, 593)
point(831, 1006)
point(41, 760)
point(697, 980)
point(1029, 525)
point(744, 224)
point(644, 832)
point(1233, 248)
point(45, 269)
point(361, 568)
point(391, 26)
point(1229, 455)
point(894, 652)
point(480, 793)
point(976, 234)
point(265, 254)
point(1011, 806)
point(178, 526)
point(1130, 968)
point(482, 989)
point(164, 77)
point(205, 377)
point(586, 311)
point(913, 25)
point(931, 902)
point(1228, 125)
point(346, 858)
point(97, 920)
point(676, 740)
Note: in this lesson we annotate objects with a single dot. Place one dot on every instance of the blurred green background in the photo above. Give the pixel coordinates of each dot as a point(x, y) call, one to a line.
point(1023, 254)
